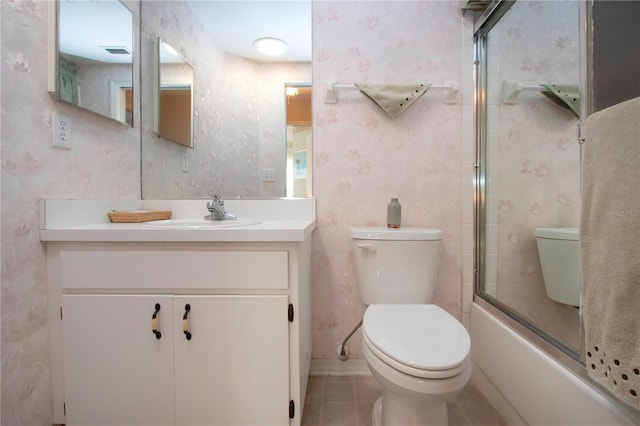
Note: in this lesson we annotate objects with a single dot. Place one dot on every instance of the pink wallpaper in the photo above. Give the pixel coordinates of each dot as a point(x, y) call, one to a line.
point(362, 159)
point(103, 163)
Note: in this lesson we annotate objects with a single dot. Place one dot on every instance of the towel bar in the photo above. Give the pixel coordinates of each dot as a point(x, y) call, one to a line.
point(511, 90)
point(452, 96)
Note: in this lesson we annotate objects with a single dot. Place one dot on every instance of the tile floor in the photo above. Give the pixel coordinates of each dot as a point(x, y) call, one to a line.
point(348, 401)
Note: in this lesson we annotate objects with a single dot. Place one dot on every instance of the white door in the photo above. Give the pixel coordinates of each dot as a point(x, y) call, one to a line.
point(116, 370)
point(234, 370)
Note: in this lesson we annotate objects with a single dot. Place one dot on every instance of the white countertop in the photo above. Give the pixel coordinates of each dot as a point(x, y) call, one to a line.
point(75, 220)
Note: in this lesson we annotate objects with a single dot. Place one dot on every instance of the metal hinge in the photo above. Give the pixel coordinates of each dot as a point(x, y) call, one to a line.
point(582, 133)
point(290, 312)
point(60, 312)
point(64, 409)
point(292, 409)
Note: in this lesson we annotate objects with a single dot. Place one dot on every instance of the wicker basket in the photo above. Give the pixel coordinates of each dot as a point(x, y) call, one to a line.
point(137, 216)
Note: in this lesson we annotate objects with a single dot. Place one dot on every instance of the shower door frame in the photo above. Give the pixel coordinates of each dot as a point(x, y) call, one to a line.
point(488, 20)
point(566, 356)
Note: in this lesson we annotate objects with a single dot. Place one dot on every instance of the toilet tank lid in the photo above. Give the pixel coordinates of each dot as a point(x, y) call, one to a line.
point(571, 234)
point(396, 234)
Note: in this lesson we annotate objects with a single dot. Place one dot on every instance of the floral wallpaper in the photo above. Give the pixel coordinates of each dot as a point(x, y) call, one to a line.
point(535, 165)
point(103, 163)
point(362, 159)
point(238, 114)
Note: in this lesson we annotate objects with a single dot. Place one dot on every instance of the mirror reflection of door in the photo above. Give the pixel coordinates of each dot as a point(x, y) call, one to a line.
point(128, 105)
point(175, 103)
point(299, 154)
point(175, 114)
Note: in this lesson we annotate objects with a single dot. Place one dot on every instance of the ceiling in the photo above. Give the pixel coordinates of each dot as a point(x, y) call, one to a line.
point(235, 25)
point(89, 26)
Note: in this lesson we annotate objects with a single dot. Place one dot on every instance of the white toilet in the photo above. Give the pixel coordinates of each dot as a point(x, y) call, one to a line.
point(558, 249)
point(418, 352)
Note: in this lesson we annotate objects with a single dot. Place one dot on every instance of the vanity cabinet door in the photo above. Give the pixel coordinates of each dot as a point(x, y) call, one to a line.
point(234, 369)
point(116, 370)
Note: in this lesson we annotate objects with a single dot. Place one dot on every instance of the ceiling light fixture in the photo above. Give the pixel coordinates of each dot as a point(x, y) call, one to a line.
point(291, 91)
point(270, 46)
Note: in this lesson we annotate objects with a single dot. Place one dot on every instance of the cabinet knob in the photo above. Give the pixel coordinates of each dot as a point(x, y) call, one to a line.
point(154, 322)
point(185, 321)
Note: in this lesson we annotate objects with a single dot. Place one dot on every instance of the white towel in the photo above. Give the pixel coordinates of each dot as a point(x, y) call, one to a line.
point(610, 249)
point(393, 99)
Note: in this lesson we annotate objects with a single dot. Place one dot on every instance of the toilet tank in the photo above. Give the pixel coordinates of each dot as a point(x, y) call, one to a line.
point(396, 265)
point(558, 250)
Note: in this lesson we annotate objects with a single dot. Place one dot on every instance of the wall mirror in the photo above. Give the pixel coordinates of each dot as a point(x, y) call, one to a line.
point(529, 156)
point(240, 132)
point(95, 57)
point(175, 105)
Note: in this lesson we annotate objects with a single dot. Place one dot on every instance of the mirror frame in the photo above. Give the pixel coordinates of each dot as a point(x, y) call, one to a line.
point(115, 112)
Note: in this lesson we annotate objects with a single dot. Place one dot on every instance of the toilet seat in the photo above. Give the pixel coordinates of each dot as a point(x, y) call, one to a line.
point(419, 340)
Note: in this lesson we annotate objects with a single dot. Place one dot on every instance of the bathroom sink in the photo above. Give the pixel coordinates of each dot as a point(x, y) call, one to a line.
point(198, 223)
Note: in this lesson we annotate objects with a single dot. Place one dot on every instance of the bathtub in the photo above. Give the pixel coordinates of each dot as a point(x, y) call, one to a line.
point(529, 386)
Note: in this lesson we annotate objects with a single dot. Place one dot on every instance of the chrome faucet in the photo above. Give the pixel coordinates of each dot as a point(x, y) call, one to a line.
point(216, 209)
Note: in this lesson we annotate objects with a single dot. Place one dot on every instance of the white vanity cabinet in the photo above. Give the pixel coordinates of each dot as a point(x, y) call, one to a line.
point(179, 333)
point(233, 370)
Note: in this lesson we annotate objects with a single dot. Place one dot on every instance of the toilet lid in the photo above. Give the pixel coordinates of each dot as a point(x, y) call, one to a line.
point(422, 337)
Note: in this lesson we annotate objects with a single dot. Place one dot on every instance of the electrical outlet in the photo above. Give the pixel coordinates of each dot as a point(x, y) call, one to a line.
point(185, 161)
point(268, 175)
point(60, 131)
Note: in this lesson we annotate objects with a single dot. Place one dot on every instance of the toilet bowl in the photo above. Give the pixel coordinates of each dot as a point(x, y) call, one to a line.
point(420, 355)
point(417, 351)
point(558, 250)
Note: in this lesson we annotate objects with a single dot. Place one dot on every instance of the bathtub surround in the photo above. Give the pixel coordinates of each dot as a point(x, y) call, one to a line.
point(528, 386)
point(532, 156)
point(610, 225)
point(535, 377)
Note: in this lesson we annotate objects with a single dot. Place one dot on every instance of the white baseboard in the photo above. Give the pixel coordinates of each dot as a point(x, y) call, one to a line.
point(335, 367)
